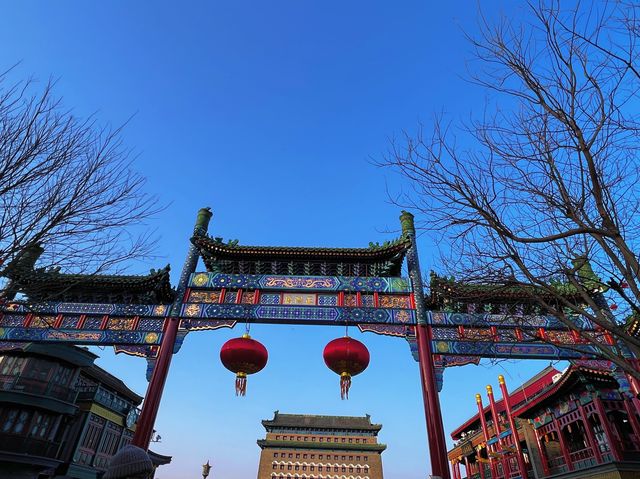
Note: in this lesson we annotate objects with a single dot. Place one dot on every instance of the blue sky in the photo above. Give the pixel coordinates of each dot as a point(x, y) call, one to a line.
point(270, 113)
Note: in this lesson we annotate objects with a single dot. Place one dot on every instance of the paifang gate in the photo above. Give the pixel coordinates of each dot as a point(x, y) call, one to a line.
point(363, 287)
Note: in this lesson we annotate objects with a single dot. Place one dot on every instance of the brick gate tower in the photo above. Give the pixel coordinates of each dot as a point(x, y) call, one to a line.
point(307, 446)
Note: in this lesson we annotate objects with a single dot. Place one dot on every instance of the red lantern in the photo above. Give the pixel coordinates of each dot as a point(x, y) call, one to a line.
point(624, 284)
point(243, 356)
point(346, 357)
point(613, 306)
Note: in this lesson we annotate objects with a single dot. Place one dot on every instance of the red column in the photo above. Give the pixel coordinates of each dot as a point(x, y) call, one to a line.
point(563, 446)
point(496, 427)
point(614, 447)
point(485, 432)
point(144, 427)
point(543, 454)
point(479, 464)
point(590, 436)
point(514, 431)
point(457, 470)
point(467, 468)
point(435, 430)
point(629, 406)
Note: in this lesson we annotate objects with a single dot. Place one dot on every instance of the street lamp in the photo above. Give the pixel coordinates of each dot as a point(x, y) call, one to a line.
point(205, 470)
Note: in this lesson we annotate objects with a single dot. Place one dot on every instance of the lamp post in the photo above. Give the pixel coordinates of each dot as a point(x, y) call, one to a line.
point(205, 470)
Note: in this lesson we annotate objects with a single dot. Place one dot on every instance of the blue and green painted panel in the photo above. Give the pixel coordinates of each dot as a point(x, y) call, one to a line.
point(514, 350)
point(299, 283)
point(480, 320)
point(294, 314)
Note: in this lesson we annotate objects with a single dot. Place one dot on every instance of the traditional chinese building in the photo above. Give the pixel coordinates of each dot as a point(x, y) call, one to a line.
point(61, 416)
point(581, 423)
point(314, 447)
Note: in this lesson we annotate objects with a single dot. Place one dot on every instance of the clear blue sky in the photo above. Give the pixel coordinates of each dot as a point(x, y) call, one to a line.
point(269, 112)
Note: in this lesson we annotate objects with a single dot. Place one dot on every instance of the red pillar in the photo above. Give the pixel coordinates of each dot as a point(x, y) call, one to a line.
point(631, 414)
point(514, 431)
point(467, 468)
point(435, 429)
point(590, 436)
point(496, 427)
point(485, 432)
point(144, 427)
point(614, 447)
point(563, 446)
point(456, 471)
point(479, 464)
point(543, 454)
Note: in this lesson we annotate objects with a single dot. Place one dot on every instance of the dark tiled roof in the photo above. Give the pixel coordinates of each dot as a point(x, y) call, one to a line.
point(110, 381)
point(51, 285)
point(321, 422)
point(214, 247)
point(443, 290)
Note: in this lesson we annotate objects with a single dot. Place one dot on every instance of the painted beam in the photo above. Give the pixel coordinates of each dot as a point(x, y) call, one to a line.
point(300, 283)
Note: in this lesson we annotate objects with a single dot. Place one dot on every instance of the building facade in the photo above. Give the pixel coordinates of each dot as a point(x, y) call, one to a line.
point(581, 423)
point(61, 416)
point(314, 447)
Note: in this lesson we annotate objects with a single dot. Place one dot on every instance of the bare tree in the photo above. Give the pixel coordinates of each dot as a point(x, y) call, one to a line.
point(66, 184)
point(543, 185)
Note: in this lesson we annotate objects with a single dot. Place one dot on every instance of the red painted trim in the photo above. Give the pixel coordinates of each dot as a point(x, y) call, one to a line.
point(542, 334)
point(256, 297)
point(239, 296)
point(613, 445)
point(460, 331)
point(376, 299)
point(223, 292)
point(412, 299)
point(494, 333)
point(514, 432)
point(563, 445)
point(595, 447)
point(27, 320)
point(543, 454)
point(358, 298)
point(485, 433)
point(58, 321)
point(136, 322)
point(83, 318)
point(105, 320)
point(341, 298)
point(187, 293)
point(519, 335)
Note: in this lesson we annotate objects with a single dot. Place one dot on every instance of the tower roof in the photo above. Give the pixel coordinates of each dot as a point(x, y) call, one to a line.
point(321, 422)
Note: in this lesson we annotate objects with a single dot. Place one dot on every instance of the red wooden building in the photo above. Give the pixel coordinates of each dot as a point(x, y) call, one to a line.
point(581, 423)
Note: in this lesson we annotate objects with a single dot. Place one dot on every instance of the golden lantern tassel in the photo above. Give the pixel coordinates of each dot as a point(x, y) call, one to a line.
point(345, 384)
point(241, 384)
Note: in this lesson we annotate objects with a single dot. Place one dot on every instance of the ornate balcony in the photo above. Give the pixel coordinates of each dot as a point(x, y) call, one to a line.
point(38, 388)
point(28, 446)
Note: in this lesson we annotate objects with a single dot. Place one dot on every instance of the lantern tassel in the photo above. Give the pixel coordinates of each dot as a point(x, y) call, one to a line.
point(241, 384)
point(345, 384)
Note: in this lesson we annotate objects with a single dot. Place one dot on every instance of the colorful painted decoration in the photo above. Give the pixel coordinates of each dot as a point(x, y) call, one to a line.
point(346, 357)
point(243, 356)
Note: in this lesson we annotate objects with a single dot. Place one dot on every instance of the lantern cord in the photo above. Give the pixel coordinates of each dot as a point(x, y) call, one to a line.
point(247, 327)
point(345, 384)
point(241, 384)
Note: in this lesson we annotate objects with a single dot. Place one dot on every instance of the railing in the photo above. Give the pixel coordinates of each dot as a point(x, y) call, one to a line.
point(557, 465)
point(29, 446)
point(38, 387)
point(104, 397)
point(582, 459)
